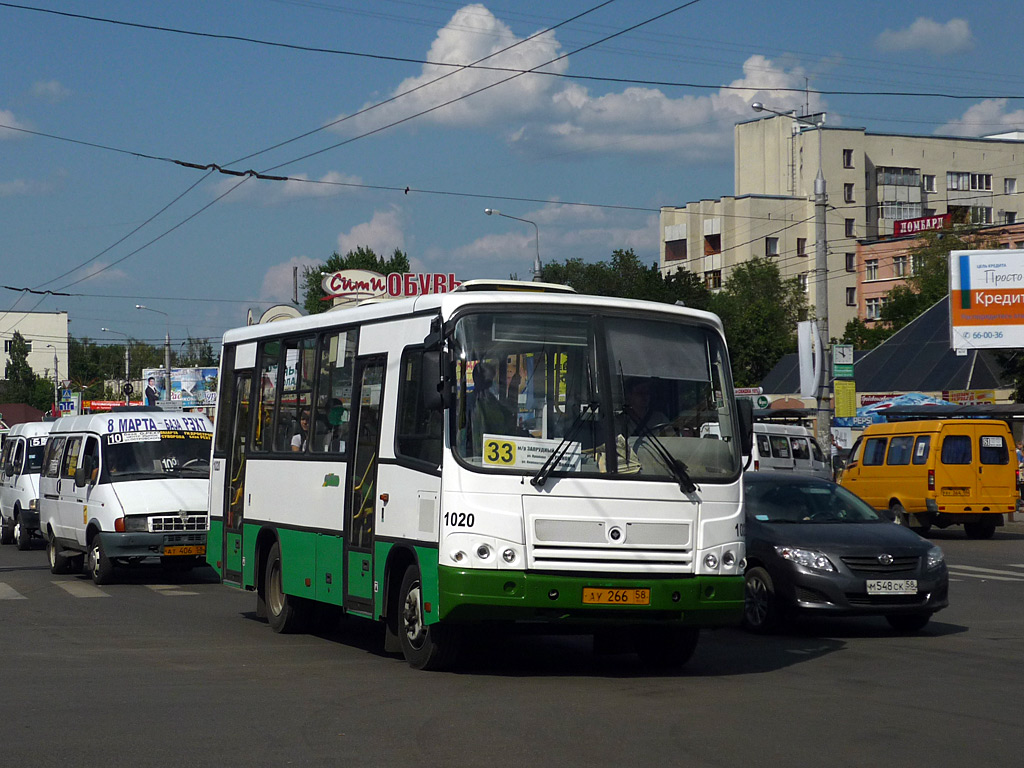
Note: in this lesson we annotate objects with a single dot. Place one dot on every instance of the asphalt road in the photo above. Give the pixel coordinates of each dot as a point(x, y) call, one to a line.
point(176, 671)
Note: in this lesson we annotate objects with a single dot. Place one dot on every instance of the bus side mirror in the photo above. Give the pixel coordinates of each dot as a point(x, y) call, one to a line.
point(435, 392)
point(746, 412)
point(83, 475)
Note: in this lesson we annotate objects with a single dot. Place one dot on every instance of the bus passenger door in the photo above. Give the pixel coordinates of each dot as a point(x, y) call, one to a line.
point(361, 505)
point(234, 502)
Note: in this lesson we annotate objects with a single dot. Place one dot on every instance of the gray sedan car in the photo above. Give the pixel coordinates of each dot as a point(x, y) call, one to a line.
point(815, 548)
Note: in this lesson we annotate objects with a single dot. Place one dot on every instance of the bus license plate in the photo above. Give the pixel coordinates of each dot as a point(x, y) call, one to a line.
point(892, 586)
point(604, 596)
point(195, 549)
point(956, 491)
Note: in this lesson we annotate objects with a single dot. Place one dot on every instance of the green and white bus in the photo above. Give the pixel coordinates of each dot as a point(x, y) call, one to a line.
point(502, 453)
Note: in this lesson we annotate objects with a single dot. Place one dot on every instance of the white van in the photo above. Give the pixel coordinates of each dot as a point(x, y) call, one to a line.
point(124, 486)
point(788, 447)
point(19, 482)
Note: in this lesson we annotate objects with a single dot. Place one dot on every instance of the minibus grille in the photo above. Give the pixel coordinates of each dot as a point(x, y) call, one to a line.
point(871, 564)
point(173, 523)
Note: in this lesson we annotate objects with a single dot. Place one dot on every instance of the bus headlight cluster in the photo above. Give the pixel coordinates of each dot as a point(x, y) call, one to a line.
point(725, 560)
point(509, 556)
point(468, 550)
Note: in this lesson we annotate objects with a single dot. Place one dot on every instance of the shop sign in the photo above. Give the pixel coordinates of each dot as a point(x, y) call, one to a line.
point(361, 284)
point(923, 224)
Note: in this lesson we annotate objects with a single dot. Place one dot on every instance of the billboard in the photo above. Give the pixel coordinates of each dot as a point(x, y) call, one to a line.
point(986, 299)
point(190, 387)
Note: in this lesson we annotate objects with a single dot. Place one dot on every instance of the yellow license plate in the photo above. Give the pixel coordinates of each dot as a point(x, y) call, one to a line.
point(195, 549)
point(605, 596)
point(956, 491)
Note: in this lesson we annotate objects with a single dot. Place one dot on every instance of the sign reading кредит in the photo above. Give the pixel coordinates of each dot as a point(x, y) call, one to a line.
point(986, 299)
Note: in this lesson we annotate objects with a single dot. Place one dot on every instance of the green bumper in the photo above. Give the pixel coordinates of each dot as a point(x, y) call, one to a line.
point(470, 595)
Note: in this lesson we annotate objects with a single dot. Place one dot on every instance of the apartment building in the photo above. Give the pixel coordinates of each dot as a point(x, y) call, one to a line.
point(873, 181)
point(47, 336)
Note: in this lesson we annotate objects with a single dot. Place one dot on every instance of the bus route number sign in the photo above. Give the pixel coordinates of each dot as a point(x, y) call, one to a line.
point(500, 453)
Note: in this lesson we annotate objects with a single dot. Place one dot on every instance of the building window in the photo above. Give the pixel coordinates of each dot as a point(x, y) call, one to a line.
point(9, 342)
point(981, 214)
point(851, 262)
point(965, 181)
point(899, 264)
point(847, 158)
point(849, 225)
point(713, 280)
point(801, 280)
point(873, 309)
point(981, 181)
point(801, 246)
point(851, 297)
point(712, 245)
point(871, 269)
point(771, 246)
point(847, 193)
point(898, 177)
point(898, 211)
point(928, 182)
point(1011, 217)
point(1010, 186)
point(675, 250)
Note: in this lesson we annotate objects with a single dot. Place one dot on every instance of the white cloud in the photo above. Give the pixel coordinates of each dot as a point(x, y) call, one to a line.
point(279, 283)
point(100, 273)
point(985, 118)
point(22, 188)
point(382, 234)
point(472, 34)
point(7, 118)
point(271, 193)
point(50, 90)
point(929, 35)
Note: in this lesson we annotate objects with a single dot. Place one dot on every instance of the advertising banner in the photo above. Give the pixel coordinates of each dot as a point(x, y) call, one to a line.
point(190, 387)
point(986, 299)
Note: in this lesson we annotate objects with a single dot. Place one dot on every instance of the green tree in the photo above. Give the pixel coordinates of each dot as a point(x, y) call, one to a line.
point(195, 353)
point(360, 258)
point(760, 311)
point(20, 382)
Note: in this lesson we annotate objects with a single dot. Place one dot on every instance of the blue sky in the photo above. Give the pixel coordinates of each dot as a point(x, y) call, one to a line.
point(588, 160)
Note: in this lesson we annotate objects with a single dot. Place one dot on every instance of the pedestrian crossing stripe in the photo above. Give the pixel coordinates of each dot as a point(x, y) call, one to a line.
point(8, 592)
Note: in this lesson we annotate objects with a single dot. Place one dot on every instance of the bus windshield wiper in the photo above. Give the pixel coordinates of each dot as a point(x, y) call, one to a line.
point(677, 468)
point(562, 448)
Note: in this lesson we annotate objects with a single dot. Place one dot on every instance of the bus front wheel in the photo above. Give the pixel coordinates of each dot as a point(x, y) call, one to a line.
point(286, 614)
point(425, 646)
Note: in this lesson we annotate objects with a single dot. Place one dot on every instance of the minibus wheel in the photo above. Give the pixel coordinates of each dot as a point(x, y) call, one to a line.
point(7, 531)
point(59, 563)
point(22, 535)
point(100, 568)
point(899, 514)
point(425, 646)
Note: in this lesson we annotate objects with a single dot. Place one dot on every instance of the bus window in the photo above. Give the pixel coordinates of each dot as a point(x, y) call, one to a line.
point(333, 410)
point(293, 412)
point(270, 353)
point(419, 435)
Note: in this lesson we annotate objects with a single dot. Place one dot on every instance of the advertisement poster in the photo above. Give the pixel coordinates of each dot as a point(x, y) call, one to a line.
point(190, 387)
point(986, 299)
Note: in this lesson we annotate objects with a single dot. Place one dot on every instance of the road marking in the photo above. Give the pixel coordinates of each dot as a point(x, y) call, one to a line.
point(81, 589)
point(171, 590)
point(987, 570)
point(7, 592)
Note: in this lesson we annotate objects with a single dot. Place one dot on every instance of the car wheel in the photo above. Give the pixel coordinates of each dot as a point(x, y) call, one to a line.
point(761, 612)
point(979, 530)
point(100, 568)
point(286, 614)
point(908, 622)
point(7, 531)
point(665, 647)
point(59, 562)
point(899, 514)
point(425, 646)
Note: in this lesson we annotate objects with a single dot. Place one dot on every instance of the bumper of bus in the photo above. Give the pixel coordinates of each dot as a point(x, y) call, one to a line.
point(474, 595)
point(154, 544)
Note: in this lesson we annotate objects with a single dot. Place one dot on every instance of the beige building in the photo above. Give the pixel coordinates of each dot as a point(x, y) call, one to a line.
point(873, 180)
point(47, 337)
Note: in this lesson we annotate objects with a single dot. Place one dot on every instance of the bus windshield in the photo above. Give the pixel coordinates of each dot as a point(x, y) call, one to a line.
point(156, 454)
point(605, 395)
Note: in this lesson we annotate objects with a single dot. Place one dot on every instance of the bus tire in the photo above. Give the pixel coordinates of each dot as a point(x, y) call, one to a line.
point(286, 614)
point(59, 563)
point(979, 530)
point(425, 646)
point(665, 647)
point(101, 569)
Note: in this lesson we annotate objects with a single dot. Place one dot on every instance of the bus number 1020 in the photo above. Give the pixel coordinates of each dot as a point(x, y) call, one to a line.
point(459, 519)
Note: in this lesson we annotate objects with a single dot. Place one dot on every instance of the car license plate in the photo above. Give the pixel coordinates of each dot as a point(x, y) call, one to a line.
point(956, 491)
point(892, 586)
point(195, 549)
point(605, 596)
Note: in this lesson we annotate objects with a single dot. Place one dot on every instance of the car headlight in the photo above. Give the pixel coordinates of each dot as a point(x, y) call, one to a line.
point(136, 524)
point(935, 557)
point(808, 558)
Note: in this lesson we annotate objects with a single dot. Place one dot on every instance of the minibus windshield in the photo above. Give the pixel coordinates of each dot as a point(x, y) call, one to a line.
point(156, 454)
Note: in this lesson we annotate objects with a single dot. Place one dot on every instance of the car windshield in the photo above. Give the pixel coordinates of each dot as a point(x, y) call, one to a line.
point(612, 396)
point(34, 461)
point(156, 454)
point(805, 501)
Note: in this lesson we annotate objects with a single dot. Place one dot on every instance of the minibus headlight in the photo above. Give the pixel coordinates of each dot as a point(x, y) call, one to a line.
point(935, 557)
point(136, 524)
point(33, 504)
point(808, 558)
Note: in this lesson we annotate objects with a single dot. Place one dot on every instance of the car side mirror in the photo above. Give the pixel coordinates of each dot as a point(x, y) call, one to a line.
point(745, 408)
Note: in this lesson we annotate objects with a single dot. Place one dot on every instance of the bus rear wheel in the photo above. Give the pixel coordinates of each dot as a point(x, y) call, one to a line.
point(286, 614)
point(425, 646)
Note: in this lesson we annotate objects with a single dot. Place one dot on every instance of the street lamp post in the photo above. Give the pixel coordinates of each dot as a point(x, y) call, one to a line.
point(821, 273)
point(127, 363)
point(56, 381)
point(167, 349)
point(536, 229)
